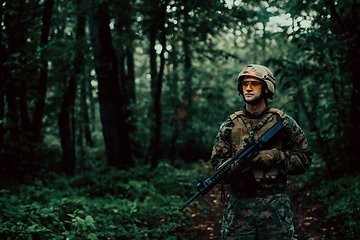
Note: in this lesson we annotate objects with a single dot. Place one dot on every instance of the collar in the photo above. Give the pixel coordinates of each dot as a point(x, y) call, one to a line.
point(256, 115)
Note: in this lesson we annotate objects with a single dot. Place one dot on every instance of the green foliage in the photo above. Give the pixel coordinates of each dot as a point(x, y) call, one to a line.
point(321, 80)
point(315, 86)
point(342, 200)
point(102, 204)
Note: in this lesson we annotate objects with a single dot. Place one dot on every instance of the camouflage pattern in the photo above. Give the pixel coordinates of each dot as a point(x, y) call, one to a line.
point(244, 216)
point(268, 217)
point(258, 126)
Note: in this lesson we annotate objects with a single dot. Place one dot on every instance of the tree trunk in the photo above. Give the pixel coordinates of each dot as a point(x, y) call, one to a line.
point(80, 71)
point(66, 128)
point(174, 98)
point(2, 82)
point(349, 29)
point(91, 105)
point(40, 103)
point(24, 114)
point(156, 87)
point(67, 123)
point(125, 59)
point(15, 30)
point(355, 96)
point(111, 103)
point(188, 91)
point(15, 87)
point(131, 75)
point(85, 114)
point(187, 68)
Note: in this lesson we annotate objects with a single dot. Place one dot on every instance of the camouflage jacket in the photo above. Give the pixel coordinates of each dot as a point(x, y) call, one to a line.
point(293, 149)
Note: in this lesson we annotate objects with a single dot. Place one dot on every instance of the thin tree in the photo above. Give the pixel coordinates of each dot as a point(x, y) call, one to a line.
point(85, 112)
point(43, 76)
point(156, 79)
point(2, 82)
point(67, 114)
point(66, 127)
point(124, 39)
point(111, 103)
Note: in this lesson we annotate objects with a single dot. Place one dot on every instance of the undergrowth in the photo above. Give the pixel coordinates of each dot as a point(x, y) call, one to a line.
point(342, 199)
point(100, 204)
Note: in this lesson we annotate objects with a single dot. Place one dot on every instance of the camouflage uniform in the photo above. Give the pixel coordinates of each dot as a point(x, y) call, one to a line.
point(263, 211)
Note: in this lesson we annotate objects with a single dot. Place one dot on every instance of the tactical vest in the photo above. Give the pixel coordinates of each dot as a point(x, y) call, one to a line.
point(247, 128)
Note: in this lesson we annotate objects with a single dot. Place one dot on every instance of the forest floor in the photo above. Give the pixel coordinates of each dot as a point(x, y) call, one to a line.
point(309, 217)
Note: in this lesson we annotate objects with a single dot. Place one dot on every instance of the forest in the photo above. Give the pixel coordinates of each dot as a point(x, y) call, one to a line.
point(109, 111)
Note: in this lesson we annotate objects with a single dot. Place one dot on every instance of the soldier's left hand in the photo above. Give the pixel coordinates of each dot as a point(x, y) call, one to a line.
point(266, 159)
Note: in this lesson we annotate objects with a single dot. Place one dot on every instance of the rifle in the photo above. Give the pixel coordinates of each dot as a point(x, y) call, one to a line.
point(243, 158)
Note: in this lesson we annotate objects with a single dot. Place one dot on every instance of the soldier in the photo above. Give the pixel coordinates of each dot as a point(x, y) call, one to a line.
point(262, 210)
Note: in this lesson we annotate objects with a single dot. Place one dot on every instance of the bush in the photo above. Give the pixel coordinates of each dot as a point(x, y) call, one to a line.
point(101, 204)
point(342, 200)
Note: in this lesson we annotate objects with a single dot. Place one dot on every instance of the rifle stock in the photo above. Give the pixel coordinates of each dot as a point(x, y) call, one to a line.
point(243, 158)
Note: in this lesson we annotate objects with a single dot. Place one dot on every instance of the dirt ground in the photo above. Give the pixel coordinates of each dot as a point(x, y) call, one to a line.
point(309, 217)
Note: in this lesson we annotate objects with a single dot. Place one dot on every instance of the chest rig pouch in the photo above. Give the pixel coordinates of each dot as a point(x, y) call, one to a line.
point(246, 128)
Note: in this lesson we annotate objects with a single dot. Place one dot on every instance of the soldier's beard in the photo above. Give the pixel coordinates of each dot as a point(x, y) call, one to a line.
point(254, 101)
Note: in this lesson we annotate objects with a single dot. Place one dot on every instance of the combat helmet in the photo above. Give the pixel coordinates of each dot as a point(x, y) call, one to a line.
point(260, 72)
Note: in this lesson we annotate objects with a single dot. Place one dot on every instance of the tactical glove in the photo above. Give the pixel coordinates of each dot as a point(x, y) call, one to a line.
point(234, 167)
point(221, 164)
point(266, 159)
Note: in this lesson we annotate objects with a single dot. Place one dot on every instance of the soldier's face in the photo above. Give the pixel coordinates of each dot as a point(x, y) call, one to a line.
point(251, 91)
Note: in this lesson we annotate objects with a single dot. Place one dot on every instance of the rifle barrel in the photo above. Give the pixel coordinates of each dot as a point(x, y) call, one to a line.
point(246, 154)
point(189, 201)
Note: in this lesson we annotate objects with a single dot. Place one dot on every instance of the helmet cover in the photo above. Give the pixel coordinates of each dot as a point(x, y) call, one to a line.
point(260, 72)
